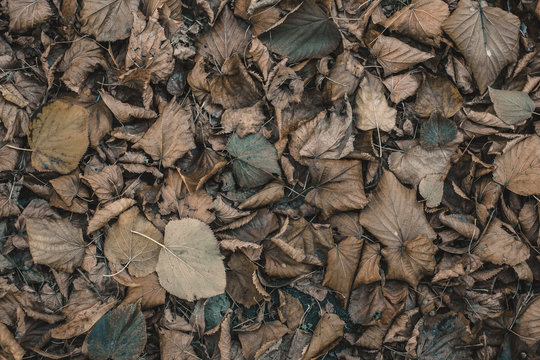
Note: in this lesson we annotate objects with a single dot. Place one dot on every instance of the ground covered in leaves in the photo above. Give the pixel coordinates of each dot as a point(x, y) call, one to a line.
point(269, 179)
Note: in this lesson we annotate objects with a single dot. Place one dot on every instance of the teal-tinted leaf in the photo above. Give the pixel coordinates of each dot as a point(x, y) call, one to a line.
point(437, 131)
point(304, 33)
point(256, 160)
point(214, 310)
point(119, 335)
point(512, 107)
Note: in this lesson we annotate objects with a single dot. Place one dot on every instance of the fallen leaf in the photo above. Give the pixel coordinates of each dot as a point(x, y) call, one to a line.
point(83, 321)
point(208, 164)
point(527, 326)
point(197, 205)
point(176, 345)
point(397, 220)
point(437, 132)
point(108, 20)
point(244, 121)
point(306, 32)
point(82, 58)
point(343, 78)
point(125, 112)
point(107, 184)
point(56, 243)
point(369, 267)
point(518, 169)
point(170, 137)
point(270, 194)
point(255, 160)
point(327, 334)
point(58, 136)
point(284, 87)
point(26, 14)
point(486, 36)
point(437, 94)
point(103, 215)
point(129, 243)
point(338, 187)
point(290, 310)
point(402, 86)
point(241, 278)
point(9, 344)
point(8, 202)
point(119, 335)
point(144, 289)
point(512, 107)
point(255, 343)
point(190, 264)
point(371, 107)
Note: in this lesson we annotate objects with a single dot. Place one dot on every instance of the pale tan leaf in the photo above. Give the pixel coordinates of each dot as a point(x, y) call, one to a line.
point(103, 215)
point(108, 20)
point(190, 264)
point(128, 243)
point(26, 14)
point(518, 169)
point(486, 36)
point(270, 194)
point(402, 86)
point(394, 55)
point(108, 183)
point(371, 107)
point(9, 344)
point(125, 112)
point(56, 243)
point(170, 137)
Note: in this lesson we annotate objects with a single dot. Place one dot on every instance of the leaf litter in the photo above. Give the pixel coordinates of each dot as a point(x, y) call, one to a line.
point(269, 179)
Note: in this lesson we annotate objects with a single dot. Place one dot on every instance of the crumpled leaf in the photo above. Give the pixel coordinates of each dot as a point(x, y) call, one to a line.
point(398, 221)
point(83, 57)
point(371, 107)
point(255, 160)
point(145, 289)
point(56, 243)
point(190, 264)
point(327, 334)
point(255, 343)
point(270, 194)
point(9, 344)
point(369, 267)
point(83, 321)
point(402, 86)
point(176, 345)
point(128, 243)
point(8, 201)
point(512, 107)
point(108, 183)
point(26, 14)
point(119, 335)
point(339, 186)
point(421, 20)
point(242, 281)
point(170, 137)
point(501, 246)
point(437, 94)
point(58, 136)
point(108, 20)
point(306, 32)
point(486, 36)
point(125, 112)
point(208, 163)
point(244, 121)
point(343, 78)
point(284, 86)
point(518, 169)
point(394, 55)
point(108, 212)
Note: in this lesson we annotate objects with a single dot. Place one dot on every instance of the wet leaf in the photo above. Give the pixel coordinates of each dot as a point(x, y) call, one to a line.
point(58, 136)
point(512, 107)
point(190, 264)
point(119, 335)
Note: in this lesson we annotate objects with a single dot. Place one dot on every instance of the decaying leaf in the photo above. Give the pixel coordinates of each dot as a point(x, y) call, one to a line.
point(108, 212)
point(402, 86)
point(437, 94)
point(255, 343)
point(9, 344)
point(176, 345)
point(371, 107)
point(190, 264)
point(108, 20)
point(26, 14)
point(58, 136)
point(108, 183)
point(486, 36)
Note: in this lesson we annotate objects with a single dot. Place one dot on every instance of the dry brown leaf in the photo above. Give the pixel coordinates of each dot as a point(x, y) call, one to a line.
point(14, 118)
point(170, 137)
point(518, 169)
point(281, 265)
point(128, 243)
point(244, 121)
point(172, 190)
point(176, 345)
point(486, 36)
point(107, 184)
point(83, 321)
point(261, 56)
point(145, 289)
point(347, 224)
point(251, 250)
point(501, 245)
point(83, 57)
point(343, 260)
point(284, 87)
point(270, 194)
point(240, 285)
point(327, 334)
point(225, 38)
point(370, 265)
point(26, 14)
point(462, 224)
point(149, 48)
point(108, 20)
point(255, 343)
point(398, 221)
point(338, 187)
point(371, 107)
point(421, 20)
point(58, 136)
point(56, 243)
point(198, 205)
point(343, 78)
point(8, 202)
point(9, 344)
point(290, 310)
point(9, 157)
point(402, 86)
point(527, 325)
point(125, 112)
point(103, 215)
point(437, 94)
point(208, 164)
point(394, 55)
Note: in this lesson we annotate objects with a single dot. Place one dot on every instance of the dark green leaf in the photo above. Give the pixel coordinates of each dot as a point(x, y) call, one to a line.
point(306, 32)
point(437, 131)
point(119, 335)
point(214, 310)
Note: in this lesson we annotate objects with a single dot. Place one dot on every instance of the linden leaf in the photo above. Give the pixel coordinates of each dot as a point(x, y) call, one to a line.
point(437, 94)
point(306, 32)
point(190, 264)
point(395, 217)
point(56, 243)
point(25, 14)
point(170, 137)
point(240, 281)
point(255, 160)
point(119, 335)
point(512, 107)
point(129, 242)
point(58, 136)
point(488, 38)
point(372, 110)
point(83, 57)
point(518, 169)
point(108, 20)
point(327, 334)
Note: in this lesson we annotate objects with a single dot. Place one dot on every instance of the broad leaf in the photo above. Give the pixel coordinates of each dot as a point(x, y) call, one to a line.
point(371, 107)
point(486, 36)
point(437, 94)
point(83, 57)
point(119, 335)
point(255, 160)
point(306, 32)
point(512, 107)
point(108, 20)
point(26, 14)
point(437, 132)
point(190, 264)
point(528, 323)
